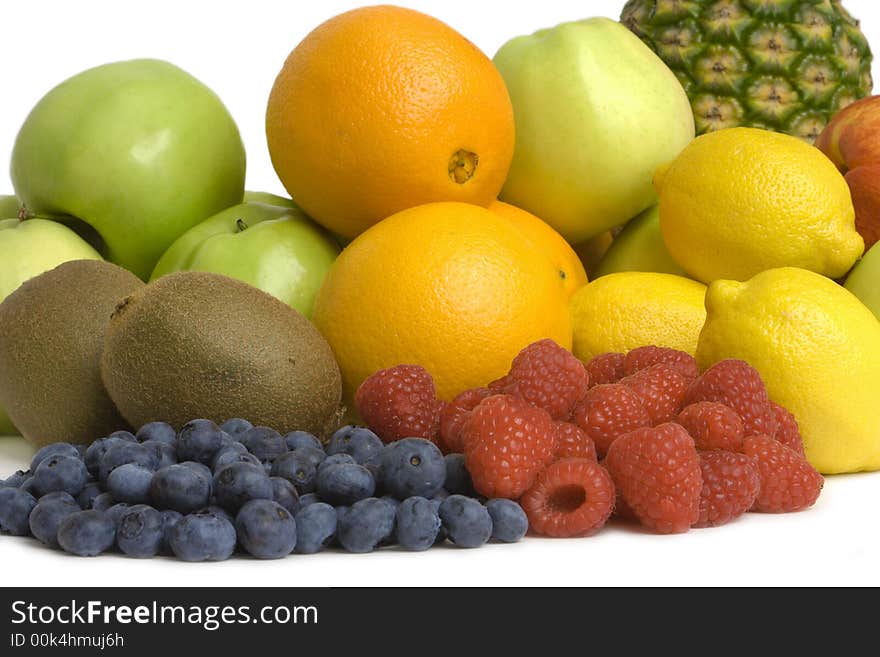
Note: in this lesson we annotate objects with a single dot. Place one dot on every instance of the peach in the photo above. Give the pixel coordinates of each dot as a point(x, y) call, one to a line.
point(852, 141)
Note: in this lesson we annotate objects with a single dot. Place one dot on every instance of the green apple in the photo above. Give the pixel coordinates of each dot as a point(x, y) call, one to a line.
point(30, 248)
point(864, 279)
point(639, 247)
point(9, 207)
point(270, 199)
point(140, 151)
point(277, 249)
point(596, 112)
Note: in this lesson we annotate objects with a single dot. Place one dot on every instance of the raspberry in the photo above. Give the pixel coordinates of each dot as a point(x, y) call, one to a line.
point(549, 377)
point(454, 415)
point(608, 411)
point(643, 357)
point(497, 386)
point(507, 442)
point(573, 442)
point(400, 402)
point(657, 473)
point(662, 389)
point(572, 497)
point(788, 481)
point(731, 483)
point(606, 368)
point(738, 385)
point(712, 426)
point(787, 430)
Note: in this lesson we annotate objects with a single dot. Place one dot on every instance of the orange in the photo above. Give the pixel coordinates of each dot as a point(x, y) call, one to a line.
point(449, 286)
point(382, 108)
point(567, 263)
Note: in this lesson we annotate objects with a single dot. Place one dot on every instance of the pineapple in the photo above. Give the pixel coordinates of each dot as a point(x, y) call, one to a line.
point(784, 65)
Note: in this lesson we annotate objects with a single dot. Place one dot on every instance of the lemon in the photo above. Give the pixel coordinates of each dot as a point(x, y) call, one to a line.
point(817, 348)
point(622, 311)
point(452, 287)
point(739, 201)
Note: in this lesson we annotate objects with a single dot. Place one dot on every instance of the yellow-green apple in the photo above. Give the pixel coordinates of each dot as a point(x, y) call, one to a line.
point(864, 280)
point(277, 249)
point(852, 141)
point(596, 112)
point(139, 150)
point(30, 248)
point(639, 247)
point(9, 207)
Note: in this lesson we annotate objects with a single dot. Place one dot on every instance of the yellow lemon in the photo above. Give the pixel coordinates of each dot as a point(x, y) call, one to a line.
point(622, 311)
point(568, 264)
point(739, 201)
point(449, 286)
point(817, 348)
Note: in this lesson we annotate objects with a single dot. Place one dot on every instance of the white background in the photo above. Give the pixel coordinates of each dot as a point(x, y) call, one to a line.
point(236, 48)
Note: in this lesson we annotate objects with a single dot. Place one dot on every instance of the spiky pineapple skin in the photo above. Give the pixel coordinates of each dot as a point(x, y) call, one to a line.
point(783, 65)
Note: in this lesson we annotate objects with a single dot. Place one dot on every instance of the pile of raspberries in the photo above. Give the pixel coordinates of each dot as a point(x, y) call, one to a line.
point(644, 436)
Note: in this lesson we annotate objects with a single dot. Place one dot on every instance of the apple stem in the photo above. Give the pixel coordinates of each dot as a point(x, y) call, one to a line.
point(23, 213)
point(240, 225)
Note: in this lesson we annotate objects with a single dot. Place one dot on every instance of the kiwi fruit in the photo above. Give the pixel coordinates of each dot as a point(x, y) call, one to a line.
point(202, 345)
point(51, 338)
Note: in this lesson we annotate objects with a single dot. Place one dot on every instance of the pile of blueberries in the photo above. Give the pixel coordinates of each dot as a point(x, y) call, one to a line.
point(207, 490)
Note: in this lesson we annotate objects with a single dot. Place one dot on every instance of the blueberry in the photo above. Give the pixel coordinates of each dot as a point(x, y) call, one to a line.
point(57, 495)
point(458, 479)
point(219, 511)
point(180, 488)
point(200, 468)
point(362, 444)
point(115, 512)
point(236, 426)
point(103, 502)
point(365, 525)
point(82, 448)
point(302, 439)
point(87, 533)
point(266, 530)
point(467, 522)
point(335, 459)
point(227, 453)
point(47, 515)
point(509, 521)
point(315, 528)
point(308, 499)
point(239, 483)
point(441, 495)
point(344, 483)
point(169, 519)
point(127, 436)
point(60, 473)
point(285, 494)
point(264, 443)
point(413, 466)
point(202, 536)
point(27, 486)
point(17, 479)
point(15, 508)
point(228, 458)
point(161, 432)
point(130, 483)
point(393, 501)
point(125, 452)
point(55, 449)
point(164, 454)
point(417, 523)
point(140, 531)
point(199, 440)
point(298, 468)
point(87, 495)
point(96, 451)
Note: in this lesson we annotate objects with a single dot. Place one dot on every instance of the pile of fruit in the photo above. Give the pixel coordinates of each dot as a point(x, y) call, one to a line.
point(620, 269)
point(201, 492)
point(642, 434)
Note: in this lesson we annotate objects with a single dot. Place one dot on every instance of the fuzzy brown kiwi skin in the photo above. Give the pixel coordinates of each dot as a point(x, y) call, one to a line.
point(52, 330)
point(199, 345)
